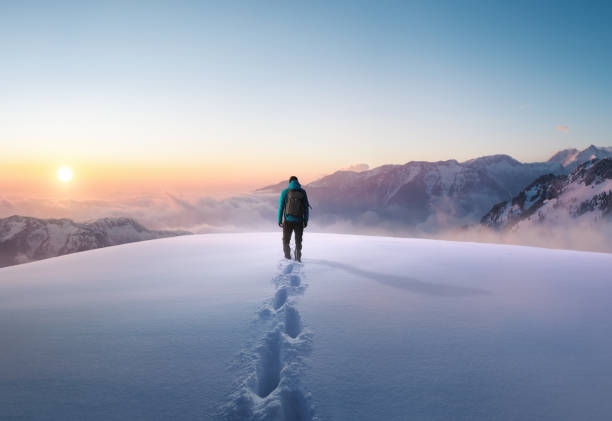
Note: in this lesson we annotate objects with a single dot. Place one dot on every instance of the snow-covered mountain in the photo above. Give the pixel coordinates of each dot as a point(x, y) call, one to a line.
point(572, 158)
point(428, 197)
point(23, 239)
point(584, 195)
point(424, 195)
point(221, 327)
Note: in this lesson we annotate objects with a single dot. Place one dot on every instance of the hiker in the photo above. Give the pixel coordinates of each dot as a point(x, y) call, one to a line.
point(293, 205)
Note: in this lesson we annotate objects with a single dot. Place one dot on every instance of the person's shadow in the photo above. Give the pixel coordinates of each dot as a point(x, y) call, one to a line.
point(405, 282)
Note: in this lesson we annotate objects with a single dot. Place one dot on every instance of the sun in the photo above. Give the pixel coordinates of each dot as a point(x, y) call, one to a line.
point(64, 174)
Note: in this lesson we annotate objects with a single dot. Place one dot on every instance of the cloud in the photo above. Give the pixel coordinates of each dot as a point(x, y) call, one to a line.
point(356, 168)
point(257, 212)
point(168, 211)
point(6, 204)
point(562, 128)
point(579, 235)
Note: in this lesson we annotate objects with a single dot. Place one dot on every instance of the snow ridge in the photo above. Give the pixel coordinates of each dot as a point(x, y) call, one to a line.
point(269, 381)
point(586, 193)
point(573, 158)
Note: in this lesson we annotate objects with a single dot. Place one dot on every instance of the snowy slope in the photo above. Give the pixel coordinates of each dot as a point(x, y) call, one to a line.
point(368, 328)
point(582, 198)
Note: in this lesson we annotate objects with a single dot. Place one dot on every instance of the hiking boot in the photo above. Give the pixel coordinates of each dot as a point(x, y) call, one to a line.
point(298, 255)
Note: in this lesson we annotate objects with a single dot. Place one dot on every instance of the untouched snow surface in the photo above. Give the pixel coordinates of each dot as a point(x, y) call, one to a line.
point(367, 328)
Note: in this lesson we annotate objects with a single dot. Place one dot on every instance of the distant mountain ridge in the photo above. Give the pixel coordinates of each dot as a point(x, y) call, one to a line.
point(586, 193)
point(572, 158)
point(426, 195)
point(431, 196)
point(24, 239)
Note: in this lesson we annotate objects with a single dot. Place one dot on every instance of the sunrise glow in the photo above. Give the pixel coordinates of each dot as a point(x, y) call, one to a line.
point(64, 174)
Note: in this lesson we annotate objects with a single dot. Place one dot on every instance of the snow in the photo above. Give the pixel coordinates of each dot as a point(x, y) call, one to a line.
point(446, 174)
point(560, 210)
point(219, 326)
point(407, 174)
point(12, 229)
point(531, 196)
point(572, 158)
point(58, 234)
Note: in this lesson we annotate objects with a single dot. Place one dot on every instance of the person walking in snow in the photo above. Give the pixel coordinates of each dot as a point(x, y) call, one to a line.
point(293, 207)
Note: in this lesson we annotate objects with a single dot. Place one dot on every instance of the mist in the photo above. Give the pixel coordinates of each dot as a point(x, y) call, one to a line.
point(258, 212)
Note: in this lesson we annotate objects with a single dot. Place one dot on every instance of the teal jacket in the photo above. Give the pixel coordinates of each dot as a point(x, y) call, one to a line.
point(294, 185)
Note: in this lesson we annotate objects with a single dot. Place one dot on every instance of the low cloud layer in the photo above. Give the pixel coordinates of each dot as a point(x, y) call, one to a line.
point(581, 236)
point(257, 212)
point(242, 213)
point(562, 128)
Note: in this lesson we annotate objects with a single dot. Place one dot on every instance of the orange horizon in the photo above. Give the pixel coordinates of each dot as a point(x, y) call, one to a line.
point(96, 180)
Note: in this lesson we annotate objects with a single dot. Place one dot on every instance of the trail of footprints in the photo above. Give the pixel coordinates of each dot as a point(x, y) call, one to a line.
point(272, 389)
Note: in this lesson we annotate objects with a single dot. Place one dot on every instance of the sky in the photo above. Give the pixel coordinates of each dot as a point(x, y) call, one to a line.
point(225, 97)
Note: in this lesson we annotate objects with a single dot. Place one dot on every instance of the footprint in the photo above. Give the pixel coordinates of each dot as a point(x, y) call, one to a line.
point(294, 280)
point(280, 298)
point(269, 365)
point(265, 313)
point(295, 406)
point(293, 322)
point(272, 386)
point(240, 409)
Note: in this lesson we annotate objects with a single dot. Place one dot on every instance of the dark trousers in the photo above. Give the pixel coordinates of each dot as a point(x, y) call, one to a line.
point(288, 228)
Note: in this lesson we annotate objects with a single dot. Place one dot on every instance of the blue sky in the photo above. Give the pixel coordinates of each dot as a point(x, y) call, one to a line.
point(239, 84)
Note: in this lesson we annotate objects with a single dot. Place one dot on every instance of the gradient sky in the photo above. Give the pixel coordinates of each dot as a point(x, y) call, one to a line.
point(228, 96)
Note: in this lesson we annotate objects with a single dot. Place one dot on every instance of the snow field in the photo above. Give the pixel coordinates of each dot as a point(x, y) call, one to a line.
point(218, 326)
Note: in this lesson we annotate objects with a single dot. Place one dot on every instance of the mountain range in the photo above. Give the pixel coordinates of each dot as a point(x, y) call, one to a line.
point(584, 194)
point(426, 197)
point(24, 239)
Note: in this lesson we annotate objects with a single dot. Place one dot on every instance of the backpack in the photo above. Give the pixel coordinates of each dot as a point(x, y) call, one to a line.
point(295, 203)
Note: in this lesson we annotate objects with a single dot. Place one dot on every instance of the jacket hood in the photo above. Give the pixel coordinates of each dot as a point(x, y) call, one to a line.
point(295, 185)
